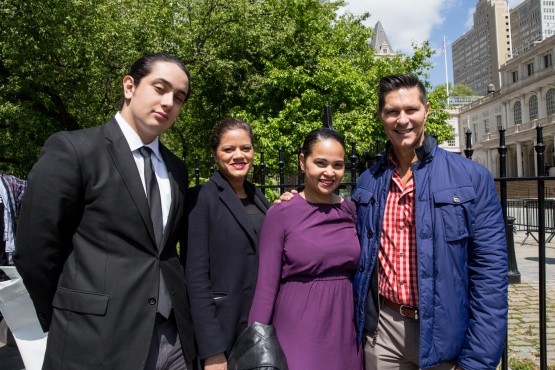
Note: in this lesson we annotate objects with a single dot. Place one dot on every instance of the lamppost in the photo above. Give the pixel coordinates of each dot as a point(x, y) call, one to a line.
point(468, 143)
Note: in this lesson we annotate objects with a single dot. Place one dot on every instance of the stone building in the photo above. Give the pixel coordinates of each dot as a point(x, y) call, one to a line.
point(525, 100)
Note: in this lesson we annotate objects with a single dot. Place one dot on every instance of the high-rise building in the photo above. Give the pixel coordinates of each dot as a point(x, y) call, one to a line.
point(531, 22)
point(478, 54)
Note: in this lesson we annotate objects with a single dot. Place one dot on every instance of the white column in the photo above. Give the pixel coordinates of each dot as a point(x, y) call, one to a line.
point(518, 159)
point(488, 160)
point(505, 114)
point(542, 106)
point(525, 111)
point(536, 172)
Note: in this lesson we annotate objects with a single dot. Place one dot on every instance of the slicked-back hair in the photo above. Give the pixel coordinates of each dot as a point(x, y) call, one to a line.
point(225, 125)
point(397, 82)
point(320, 134)
point(143, 67)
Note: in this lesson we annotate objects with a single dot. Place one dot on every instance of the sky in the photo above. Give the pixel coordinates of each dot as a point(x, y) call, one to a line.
point(408, 21)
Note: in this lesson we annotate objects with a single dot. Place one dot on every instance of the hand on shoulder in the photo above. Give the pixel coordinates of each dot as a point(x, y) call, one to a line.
point(287, 196)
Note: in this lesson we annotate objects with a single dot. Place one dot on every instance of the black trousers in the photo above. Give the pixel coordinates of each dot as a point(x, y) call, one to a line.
point(165, 351)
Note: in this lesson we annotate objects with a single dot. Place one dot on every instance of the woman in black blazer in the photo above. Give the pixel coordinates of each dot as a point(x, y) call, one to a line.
point(225, 216)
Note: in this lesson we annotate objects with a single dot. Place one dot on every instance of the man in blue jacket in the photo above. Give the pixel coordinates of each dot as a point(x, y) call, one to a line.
point(431, 288)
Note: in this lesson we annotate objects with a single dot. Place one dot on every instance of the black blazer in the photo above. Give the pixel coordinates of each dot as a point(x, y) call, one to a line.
point(87, 254)
point(222, 262)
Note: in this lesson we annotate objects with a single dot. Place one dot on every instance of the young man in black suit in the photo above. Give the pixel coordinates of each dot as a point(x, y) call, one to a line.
point(97, 234)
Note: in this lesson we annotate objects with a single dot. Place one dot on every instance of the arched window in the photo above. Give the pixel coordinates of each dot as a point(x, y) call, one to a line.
point(550, 102)
point(517, 113)
point(533, 107)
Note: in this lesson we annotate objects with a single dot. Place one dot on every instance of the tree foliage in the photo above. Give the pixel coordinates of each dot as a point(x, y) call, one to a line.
point(274, 63)
point(457, 89)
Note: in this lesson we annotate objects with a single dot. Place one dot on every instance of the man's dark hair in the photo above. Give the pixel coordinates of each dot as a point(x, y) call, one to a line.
point(143, 67)
point(320, 134)
point(397, 82)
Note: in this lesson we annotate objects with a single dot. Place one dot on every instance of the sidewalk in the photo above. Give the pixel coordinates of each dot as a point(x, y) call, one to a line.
point(523, 307)
point(524, 301)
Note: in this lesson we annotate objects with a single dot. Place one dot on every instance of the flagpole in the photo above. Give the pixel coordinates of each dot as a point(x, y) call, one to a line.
point(510, 36)
point(446, 73)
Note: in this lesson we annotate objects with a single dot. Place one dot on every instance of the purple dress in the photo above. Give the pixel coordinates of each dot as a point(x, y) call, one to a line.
point(308, 255)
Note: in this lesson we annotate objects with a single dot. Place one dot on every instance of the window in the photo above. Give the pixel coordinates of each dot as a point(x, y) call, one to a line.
point(515, 76)
point(547, 61)
point(533, 107)
point(517, 113)
point(451, 142)
point(486, 126)
point(550, 102)
point(530, 68)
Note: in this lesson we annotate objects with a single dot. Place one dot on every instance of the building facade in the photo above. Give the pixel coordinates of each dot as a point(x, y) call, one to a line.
point(478, 54)
point(522, 104)
point(531, 22)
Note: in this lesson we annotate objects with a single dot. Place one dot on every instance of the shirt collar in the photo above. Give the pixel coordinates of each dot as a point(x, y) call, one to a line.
point(422, 152)
point(134, 140)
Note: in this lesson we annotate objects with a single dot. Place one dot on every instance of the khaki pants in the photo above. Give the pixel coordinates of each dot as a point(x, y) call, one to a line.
point(396, 346)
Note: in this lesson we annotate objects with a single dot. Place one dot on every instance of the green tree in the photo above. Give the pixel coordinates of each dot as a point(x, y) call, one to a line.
point(457, 89)
point(462, 90)
point(60, 63)
point(274, 63)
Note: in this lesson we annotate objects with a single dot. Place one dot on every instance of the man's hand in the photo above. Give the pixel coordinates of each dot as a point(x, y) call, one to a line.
point(216, 362)
point(287, 196)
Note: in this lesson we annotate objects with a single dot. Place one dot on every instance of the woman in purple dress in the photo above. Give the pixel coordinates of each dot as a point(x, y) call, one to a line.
point(309, 251)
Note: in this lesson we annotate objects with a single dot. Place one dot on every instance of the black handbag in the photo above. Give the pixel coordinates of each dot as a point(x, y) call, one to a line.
point(257, 348)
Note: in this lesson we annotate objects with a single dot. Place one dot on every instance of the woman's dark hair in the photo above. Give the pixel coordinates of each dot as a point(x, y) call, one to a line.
point(225, 125)
point(397, 82)
point(320, 134)
point(143, 67)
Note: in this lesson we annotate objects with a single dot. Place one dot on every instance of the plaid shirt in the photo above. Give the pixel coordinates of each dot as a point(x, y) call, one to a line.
point(11, 192)
point(398, 274)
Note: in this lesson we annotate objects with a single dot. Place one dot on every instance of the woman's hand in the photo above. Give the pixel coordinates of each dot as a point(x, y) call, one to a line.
point(216, 362)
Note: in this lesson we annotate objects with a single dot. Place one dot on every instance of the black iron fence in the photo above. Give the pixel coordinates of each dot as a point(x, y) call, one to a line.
point(533, 214)
point(281, 181)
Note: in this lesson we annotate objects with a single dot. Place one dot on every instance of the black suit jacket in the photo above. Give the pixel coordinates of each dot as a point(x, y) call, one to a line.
point(87, 254)
point(222, 263)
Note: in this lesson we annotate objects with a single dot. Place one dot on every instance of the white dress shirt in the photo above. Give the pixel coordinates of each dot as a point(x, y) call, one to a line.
point(158, 164)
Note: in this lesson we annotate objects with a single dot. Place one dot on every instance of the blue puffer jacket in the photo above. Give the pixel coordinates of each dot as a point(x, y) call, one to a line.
point(462, 257)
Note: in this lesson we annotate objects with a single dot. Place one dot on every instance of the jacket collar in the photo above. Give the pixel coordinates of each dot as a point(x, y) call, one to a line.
point(423, 152)
point(250, 189)
point(233, 203)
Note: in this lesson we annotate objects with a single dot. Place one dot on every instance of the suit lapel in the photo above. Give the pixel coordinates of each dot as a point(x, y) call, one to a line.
point(125, 164)
point(233, 203)
point(175, 178)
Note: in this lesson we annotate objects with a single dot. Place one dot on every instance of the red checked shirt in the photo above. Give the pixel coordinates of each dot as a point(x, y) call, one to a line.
point(398, 276)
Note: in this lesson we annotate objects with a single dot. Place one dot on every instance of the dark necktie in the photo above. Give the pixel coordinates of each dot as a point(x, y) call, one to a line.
point(155, 204)
point(153, 195)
